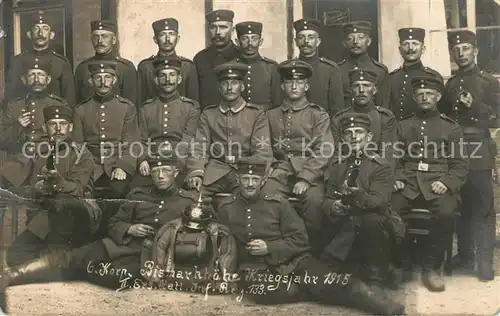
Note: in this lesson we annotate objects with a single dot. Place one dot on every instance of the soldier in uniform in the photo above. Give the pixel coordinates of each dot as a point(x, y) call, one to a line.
point(473, 100)
point(357, 196)
point(21, 124)
point(397, 93)
point(357, 39)
point(226, 132)
point(431, 174)
point(383, 123)
point(107, 123)
point(302, 145)
point(166, 36)
point(167, 118)
point(41, 34)
point(222, 50)
point(131, 231)
point(262, 81)
point(326, 88)
point(272, 246)
point(103, 35)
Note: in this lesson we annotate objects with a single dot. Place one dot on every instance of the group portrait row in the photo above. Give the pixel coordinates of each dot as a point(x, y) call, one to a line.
point(235, 174)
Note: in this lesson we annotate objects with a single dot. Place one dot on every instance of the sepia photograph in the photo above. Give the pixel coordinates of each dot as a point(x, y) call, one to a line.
point(250, 157)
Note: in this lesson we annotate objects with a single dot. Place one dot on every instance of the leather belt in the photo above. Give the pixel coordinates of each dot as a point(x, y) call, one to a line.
point(426, 167)
point(473, 130)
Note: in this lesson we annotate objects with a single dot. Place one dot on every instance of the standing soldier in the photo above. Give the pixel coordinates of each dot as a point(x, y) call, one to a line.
point(103, 35)
point(326, 82)
point(383, 123)
point(21, 124)
point(41, 34)
point(227, 132)
point(222, 50)
point(166, 36)
point(397, 93)
point(473, 101)
point(107, 124)
point(262, 82)
point(430, 173)
point(357, 39)
point(302, 145)
point(168, 118)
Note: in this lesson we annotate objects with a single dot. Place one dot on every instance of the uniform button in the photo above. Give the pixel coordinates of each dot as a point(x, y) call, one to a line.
point(32, 103)
point(249, 67)
point(421, 127)
point(103, 136)
point(166, 112)
point(102, 128)
point(32, 132)
point(249, 225)
point(165, 133)
point(249, 216)
point(248, 210)
point(424, 122)
point(103, 120)
point(160, 206)
point(165, 105)
point(102, 106)
point(165, 119)
point(156, 220)
point(103, 114)
point(164, 125)
point(162, 202)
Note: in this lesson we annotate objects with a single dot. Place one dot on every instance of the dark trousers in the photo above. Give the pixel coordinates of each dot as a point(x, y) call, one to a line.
point(477, 221)
point(440, 226)
point(227, 184)
point(117, 189)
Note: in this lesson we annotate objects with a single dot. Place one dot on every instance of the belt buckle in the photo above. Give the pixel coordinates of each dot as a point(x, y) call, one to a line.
point(230, 159)
point(423, 166)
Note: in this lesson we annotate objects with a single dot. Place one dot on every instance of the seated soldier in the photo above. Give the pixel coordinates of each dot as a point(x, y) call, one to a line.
point(272, 245)
point(430, 173)
point(356, 203)
point(130, 230)
point(61, 183)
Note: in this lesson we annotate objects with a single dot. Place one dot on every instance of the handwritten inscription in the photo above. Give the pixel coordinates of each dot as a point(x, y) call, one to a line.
point(336, 17)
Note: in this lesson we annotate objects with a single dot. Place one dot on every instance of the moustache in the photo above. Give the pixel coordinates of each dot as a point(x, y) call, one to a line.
point(411, 52)
point(103, 86)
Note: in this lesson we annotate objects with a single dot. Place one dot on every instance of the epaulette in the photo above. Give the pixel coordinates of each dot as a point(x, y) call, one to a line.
point(190, 194)
point(342, 111)
point(379, 159)
point(185, 59)
point(396, 70)
point(188, 100)
point(273, 197)
point(384, 111)
point(58, 98)
point(269, 60)
point(227, 200)
point(151, 100)
point(316, 106)
point(433, 72)
point(407, 116)
point(84, 101)
point(253, 106)
point(60, 56)
point(123, 100)
point(328, 61)
point(342, 62)
point(380, 64)
point(487, 76)
point(138, 191)
point(124, 61)
point(447, 118)
point(210, 106)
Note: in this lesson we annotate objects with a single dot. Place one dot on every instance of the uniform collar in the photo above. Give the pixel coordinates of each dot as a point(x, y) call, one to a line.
point(105, 98)
point(173, 96)
point(427, 114)
point(359, 59)
point(310, 60)
point(473, 70)
point(249, 60)
point(159, 54)
point(237, 106)
point(227, 52)
point(109, 56)
point(363, 109)
point(412, 67)
point(30, 96)
point(286, 105)
point(367, 153)
point(41, 52)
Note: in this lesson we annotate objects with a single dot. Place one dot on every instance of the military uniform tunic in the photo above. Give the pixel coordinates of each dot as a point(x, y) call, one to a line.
point(61, 72)
point(262, 82)
point(362, 62)
point(326, 88)
point(125, 86)
point(397, 94)
point(13, 136)
point(146, 85)
point(205, 62)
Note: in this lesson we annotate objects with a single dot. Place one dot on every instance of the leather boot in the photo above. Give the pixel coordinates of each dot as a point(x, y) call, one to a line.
point(373, 300)
point(433, 280)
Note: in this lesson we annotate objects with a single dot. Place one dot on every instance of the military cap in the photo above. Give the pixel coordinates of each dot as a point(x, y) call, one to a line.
point(248, 27)
point(102, 66)
point(231, 70)
point(362, 75)
point(295, 69)
point(426, 82)
point(307, 24)
point(163, 155)
point(220, 15)
point(39, 18)
point(58, 112)
point(104, 25)
point(411, 33)
point(34, 62)
point(357, 27)
point(165, 24)
point(349, 120)
point(169, 62)
point(461, 37)
point(252, 165)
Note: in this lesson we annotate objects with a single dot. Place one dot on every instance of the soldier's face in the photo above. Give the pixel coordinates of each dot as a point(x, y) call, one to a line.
point(103, 41)
point(357, 138)
point(427, 99)
point(357, 43)
point(58, 129)
point(220, 33)
point(250, 43)
point(166, 40)
point(164, 176)
point(308, 42)
point(40, 35)
point(250, 185)
point(103, 82)
point(363, 92)
point(464, 54)
point(411, 50)
point(295, 89)
point(36, 79)
point(231, 89)
point(168, 80)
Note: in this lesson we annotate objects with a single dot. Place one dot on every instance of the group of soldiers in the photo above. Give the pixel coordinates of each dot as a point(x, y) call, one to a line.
point(305, 149)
